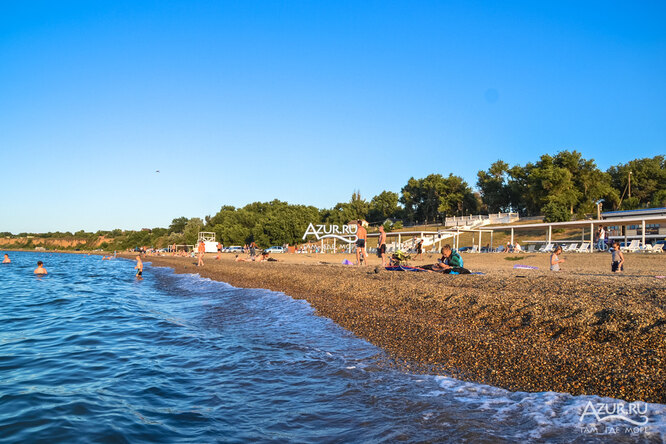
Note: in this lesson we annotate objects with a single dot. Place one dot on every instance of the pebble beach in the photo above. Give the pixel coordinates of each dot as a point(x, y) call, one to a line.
point(583, 330)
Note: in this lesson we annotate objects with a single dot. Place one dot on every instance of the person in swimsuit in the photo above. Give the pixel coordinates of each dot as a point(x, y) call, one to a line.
point(139, 267)
point(381, 249)
point(555, 260)
point(6, 260)
point(361, 235)
point(40, 268)
point(201, 250)
point(617, 258)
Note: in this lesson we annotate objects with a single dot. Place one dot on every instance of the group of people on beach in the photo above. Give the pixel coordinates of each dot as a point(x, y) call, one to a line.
point(617, 258)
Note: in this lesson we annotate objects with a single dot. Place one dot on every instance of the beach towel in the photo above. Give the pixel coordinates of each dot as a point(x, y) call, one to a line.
point(525, 267)
point(346, 262)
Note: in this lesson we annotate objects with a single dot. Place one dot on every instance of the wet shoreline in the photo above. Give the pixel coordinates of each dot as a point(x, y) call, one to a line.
point(539, 332)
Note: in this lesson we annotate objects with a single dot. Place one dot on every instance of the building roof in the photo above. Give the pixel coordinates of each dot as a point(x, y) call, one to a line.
point(633, 213)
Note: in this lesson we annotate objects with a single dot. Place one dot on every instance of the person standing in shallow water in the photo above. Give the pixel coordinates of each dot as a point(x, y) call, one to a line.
point(139, 267)
point(6, 260)
point(40, 268)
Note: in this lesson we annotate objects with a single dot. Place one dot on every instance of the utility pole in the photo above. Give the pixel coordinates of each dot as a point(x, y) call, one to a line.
point(630, 184)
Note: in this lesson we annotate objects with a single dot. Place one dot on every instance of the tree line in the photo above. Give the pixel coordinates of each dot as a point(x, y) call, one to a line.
point(559, 187)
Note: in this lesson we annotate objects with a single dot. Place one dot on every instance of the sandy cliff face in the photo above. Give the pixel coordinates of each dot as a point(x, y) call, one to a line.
point(47, 242)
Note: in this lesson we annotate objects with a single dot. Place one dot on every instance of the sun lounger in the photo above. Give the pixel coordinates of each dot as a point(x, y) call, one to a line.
point(571, 248)
point(584, 248)
point(499, 249)
point(531, 248)
point(546, 248)
point(633, 246)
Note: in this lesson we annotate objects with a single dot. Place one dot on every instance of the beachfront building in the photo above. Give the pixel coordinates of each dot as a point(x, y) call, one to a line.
point(634, 230)
point(478, 220)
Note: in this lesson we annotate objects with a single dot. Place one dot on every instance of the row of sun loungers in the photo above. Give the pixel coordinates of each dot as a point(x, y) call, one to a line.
point(585, 247)
point(633, 247)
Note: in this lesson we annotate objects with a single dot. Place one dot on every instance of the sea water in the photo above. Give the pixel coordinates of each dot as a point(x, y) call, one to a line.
point(90, 353)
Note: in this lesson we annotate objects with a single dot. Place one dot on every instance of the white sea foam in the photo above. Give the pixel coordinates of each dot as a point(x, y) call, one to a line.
point(552, 412)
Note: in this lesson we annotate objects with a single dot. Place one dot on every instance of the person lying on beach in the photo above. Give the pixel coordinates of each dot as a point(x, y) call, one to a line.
point(555, 260)
point(263, 257)
point(40, 268)
point(617, 258)
point(139, 267)
point(260, 258)
point(6, 260)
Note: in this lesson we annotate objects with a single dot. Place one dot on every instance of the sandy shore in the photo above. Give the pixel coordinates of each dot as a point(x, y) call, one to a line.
point(583, 330)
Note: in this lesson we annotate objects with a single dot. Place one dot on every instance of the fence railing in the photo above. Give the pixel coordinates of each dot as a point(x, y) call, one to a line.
point(495, 218)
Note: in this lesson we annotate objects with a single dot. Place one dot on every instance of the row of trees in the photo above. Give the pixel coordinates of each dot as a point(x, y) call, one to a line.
point(558, 187)
point(566, 185)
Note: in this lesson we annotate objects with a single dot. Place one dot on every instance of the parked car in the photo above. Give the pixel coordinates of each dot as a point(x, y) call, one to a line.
point(275, 250)
point(234, 249)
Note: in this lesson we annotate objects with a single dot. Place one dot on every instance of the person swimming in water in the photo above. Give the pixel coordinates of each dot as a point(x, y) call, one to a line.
point(139, 267)
point(40, 268)
point(6, 260)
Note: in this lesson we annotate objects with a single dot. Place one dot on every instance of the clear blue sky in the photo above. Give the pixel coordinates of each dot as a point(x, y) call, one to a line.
point(305, 101)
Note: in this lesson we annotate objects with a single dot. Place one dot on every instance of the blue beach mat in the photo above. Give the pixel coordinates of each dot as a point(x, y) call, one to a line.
point(403, 268)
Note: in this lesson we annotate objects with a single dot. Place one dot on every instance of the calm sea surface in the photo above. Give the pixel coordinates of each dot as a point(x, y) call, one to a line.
point(91, 354)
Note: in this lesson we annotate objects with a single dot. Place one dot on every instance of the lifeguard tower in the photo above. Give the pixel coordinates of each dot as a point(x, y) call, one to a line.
point(208, 238)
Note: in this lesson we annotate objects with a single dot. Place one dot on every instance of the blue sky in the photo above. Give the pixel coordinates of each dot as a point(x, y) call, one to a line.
point(236, 102)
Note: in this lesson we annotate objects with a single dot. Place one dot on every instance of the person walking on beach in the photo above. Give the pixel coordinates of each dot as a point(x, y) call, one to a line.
point(419, 249)
point(555, 260)
point(219, 251)
point(381, 245)
point(139, 267)
point(201, 250)
point(6, 260)
point(361, 237)
point(617, 258)
point(40, 268)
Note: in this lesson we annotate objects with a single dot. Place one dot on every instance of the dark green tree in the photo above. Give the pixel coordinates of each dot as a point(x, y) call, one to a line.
point(648, 177)
point(178, 225)
point(494, 187)
point(383, 206)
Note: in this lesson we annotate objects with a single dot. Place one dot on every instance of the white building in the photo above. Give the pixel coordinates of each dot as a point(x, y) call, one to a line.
point(634, 229)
